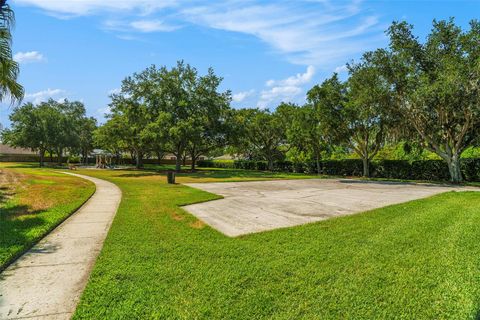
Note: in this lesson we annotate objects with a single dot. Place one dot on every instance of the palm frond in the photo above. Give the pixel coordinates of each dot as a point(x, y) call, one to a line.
point(9, 69)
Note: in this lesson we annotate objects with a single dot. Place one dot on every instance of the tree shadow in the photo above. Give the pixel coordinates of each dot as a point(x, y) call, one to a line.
point(138, 174)
point(26, 165)
point(5, 194)
point(14, 228)
point(477, 315)
point(225, 174)
point(389, 182)
point(201, 174)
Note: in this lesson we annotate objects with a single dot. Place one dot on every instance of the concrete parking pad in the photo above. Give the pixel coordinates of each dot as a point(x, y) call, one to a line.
point(47, 281)
point(258, 206)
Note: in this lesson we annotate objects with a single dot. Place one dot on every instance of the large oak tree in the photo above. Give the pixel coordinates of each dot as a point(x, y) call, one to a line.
point(437, 86)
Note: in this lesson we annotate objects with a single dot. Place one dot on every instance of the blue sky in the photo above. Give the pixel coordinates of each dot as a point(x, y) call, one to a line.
point(267, 51)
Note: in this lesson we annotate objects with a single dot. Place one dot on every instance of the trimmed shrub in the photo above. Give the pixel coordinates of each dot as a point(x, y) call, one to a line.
point(228, 164)
point(430, 170)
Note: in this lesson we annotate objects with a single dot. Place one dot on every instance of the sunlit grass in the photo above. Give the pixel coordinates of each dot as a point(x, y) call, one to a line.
point(418, 260)
point(32, 202)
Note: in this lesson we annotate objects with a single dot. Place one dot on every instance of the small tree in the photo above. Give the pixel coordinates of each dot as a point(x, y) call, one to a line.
point(261, 134)
point(86, 140)
point(71, 115)
point(50, 125)
point(210, 117)
point(367, 109)
point(29, 129)
point(132, 115)
point(355, 112)
point(305, 132)
point(110, 136)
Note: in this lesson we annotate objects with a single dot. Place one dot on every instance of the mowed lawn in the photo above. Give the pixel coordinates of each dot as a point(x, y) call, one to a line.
point(419, 260)
point(32, 202)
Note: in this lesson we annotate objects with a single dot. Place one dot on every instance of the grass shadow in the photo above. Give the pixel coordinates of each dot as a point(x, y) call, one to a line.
point(14, 232)
point(138, 174)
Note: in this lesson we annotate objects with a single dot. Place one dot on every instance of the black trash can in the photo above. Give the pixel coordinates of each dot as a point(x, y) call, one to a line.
point(171, 177)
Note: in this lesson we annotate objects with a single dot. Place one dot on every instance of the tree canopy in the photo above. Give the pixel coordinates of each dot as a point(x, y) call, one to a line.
point(174, 110)
point(414, 98)
point(437, 86)
point(49, 126)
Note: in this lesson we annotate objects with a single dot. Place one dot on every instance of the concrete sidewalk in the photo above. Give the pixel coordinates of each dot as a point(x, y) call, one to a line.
point(47, 281)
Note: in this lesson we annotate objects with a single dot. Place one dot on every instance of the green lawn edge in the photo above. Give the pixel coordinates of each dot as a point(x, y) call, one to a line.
point(30, 244)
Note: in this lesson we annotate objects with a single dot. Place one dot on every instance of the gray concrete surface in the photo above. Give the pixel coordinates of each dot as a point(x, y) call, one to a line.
point(258, 206)
point(47, 281)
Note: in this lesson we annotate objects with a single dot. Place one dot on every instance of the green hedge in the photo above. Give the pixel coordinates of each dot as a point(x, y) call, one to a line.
point(434, 170)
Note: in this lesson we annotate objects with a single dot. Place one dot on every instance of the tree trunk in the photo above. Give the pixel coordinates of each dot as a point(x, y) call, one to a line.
point(139, 160)
point(194, 162)
point(317, 161)
point(270, 164)
point(159, 157)
point(59, 155)
point(455, 169)
point(193, 158)
point(133, 157)
point(366, 167)
point(42, 158)
point(178, 163)
point(178, 159)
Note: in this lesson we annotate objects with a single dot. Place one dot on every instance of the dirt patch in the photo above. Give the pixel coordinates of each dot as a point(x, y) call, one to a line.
point(197, 224)
point(24, 193)
point(177, 217)
point(10, 183)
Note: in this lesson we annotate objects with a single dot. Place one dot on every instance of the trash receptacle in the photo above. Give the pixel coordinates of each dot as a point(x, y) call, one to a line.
point(171, 177)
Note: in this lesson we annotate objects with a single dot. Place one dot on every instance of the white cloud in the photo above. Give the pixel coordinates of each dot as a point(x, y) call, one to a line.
point(318, 33)
point(152, 26)
point(341, 69)
point(103, 111)
point(240, 96)
point(29, 56)
point(126, 28)
point(296, 80)
point(321, 33)
point(44, 95)
point(287, 89)
point(87, 7)
point(114, 91)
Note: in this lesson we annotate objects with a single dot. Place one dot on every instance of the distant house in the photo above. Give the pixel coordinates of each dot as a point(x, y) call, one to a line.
point(8, 150)
point(225, 157)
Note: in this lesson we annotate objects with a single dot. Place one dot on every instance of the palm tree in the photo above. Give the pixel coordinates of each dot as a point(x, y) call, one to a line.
point(9, 69)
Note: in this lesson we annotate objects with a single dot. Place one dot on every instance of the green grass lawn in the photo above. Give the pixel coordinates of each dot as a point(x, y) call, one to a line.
point(418, 260)
point(33, 202)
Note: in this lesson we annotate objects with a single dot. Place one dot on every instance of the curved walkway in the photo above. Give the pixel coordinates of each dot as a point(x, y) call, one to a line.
point(47, 281)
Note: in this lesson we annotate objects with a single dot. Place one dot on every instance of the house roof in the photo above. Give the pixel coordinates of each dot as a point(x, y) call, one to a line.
point(6, 149)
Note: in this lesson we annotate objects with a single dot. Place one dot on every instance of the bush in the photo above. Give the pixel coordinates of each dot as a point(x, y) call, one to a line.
point(74, 159)
point(430, 170)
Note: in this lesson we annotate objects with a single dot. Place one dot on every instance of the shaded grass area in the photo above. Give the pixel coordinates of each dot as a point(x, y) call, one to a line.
point(418, 260)
point(215, 174)
point(33, 202)
point(230, 175)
